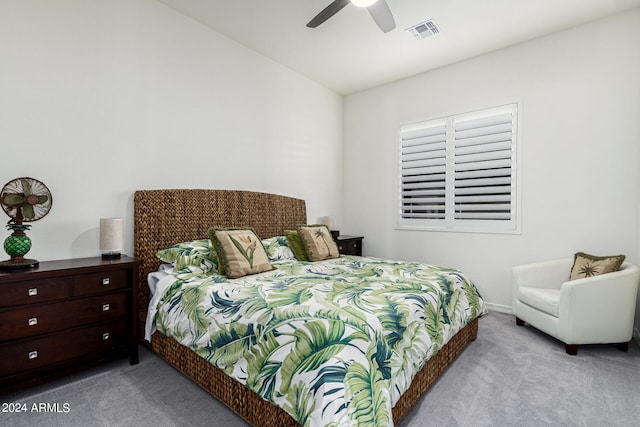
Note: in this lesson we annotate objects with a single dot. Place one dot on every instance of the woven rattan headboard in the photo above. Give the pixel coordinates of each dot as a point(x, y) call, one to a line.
point(166, 217)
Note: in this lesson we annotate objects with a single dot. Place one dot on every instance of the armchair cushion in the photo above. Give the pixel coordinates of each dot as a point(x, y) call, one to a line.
point(546, 300)
point(585, 265)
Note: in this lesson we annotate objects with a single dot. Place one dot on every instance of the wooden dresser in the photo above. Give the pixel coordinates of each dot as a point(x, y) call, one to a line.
point(65, 315)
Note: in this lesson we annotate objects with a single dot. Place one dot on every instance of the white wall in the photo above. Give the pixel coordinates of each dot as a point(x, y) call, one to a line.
point(580, 95)
point(101, 98)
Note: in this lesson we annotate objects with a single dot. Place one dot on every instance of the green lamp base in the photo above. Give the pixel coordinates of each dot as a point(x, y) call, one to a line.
point(21, 264)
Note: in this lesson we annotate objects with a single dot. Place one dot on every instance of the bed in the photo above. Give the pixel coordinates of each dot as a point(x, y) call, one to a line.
point(165, 217)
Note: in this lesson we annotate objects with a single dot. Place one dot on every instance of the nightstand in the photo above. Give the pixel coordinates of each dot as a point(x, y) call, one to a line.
point(65, 315)
point(349, 245)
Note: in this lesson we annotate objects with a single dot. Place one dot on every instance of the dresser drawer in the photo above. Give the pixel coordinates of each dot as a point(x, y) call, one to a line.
point(23, 355)
point(34, 291)
point(93, 283)
point(33, 320)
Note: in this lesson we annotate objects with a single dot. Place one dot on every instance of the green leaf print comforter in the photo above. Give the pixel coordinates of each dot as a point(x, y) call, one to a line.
point(333, 343)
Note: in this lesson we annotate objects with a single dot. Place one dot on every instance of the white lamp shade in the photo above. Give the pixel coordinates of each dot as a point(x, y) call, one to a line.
point(328, 221)
point(111, 231)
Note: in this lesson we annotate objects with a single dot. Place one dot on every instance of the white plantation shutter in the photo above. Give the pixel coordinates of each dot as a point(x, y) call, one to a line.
point(459, 172)
point(483, 156)
point(423, 171)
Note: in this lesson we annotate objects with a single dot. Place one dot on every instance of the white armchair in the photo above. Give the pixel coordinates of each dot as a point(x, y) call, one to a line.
point(593, 310)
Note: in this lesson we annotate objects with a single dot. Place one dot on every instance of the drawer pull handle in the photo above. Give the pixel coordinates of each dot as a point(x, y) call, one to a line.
point(33, 292)
point(105, 307)
point(33, 321)
point(33, 355)
point(105, 336)
point(105, 281)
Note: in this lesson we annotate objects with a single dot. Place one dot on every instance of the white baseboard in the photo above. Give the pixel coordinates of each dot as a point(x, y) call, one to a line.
point(499, 308)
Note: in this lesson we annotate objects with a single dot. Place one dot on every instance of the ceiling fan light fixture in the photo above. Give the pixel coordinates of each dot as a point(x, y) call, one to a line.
point(378, 9)
point(363, 3)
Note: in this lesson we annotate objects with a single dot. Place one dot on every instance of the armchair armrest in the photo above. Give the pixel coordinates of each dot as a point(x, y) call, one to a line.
point(600, 307)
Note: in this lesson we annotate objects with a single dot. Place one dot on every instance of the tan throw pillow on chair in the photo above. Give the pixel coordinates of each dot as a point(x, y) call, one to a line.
point(585, 265)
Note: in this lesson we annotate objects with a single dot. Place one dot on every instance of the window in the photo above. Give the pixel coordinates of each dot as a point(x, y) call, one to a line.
point(458, 173)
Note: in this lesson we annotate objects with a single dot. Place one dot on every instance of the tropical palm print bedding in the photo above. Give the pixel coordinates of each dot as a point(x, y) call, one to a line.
point(333, 343)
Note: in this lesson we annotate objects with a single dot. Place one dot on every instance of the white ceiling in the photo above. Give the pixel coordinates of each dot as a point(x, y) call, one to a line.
point(349, 53)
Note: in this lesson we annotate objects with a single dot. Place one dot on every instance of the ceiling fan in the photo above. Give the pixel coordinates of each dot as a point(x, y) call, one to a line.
point(378, 9)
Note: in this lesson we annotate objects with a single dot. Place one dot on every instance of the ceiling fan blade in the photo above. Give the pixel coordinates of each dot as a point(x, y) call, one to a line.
point(326, 13)
point(381, 13)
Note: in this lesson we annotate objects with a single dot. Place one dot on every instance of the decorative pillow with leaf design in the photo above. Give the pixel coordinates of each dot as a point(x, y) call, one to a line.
point(240, 251)
point(297, 246)
point(585, 265)
point(278, 248)
point(195, 253)
point(318, 242)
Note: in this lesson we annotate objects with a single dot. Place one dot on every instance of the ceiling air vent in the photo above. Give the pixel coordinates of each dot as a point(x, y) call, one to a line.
point(423, 30)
